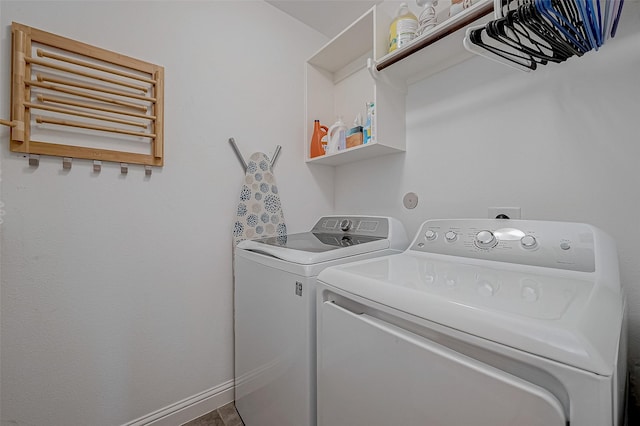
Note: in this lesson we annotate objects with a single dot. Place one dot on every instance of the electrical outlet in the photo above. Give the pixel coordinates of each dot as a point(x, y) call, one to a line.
point(509, 212)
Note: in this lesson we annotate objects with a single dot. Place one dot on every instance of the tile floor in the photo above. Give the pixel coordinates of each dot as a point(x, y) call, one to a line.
point(223, 416)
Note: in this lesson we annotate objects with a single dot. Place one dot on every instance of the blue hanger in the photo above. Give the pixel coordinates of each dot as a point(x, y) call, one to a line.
point(589, 21)
point(576, 12)
point(546, 9)
point(600, 17)
point(617, 19)
point(530, 16)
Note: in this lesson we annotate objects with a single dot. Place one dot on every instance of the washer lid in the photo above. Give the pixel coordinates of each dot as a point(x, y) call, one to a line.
point(312, 247)
point(332, 238)
point(566, 316)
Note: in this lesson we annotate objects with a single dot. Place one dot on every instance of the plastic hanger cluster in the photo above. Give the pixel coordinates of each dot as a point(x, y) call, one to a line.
point(528, 33)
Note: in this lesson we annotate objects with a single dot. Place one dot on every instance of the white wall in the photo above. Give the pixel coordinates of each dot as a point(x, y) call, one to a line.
point(117, 292)
point(562, 143)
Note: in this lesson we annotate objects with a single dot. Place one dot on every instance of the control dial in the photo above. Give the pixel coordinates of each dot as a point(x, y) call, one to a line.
point(430, 235)
point(528, 242)
point(486, 239)
point(346, 224)
point(450, 236)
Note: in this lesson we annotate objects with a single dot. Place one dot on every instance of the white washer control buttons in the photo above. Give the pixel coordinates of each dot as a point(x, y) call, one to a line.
point(528, 242)
point(565, 245)
point(451, 236)
point(529, 294)
point(485, 288)
point(430, 235)
point(486, 239)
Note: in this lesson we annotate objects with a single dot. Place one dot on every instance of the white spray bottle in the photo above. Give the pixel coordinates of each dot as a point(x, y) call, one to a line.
point(337, 136)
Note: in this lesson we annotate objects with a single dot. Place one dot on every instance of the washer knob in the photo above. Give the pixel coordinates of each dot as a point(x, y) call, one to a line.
point(485, 288)
point(430, 235)
point(529, 242)
point(486, 239)
point(346, 224)
point(451, 236)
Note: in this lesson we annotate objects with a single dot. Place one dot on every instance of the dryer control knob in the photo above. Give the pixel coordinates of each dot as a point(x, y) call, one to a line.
point(450, 236)
point(486, 239)
point(430, 235)
point(346, 224)
point(529, 242)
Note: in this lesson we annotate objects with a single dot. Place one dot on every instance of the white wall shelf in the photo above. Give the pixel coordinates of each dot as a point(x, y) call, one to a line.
point(357, 153)
point(435, 50)
point(354, 68)
point(339, 84)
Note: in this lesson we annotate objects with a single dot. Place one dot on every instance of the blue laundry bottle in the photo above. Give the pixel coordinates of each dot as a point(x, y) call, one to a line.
point(370, 124)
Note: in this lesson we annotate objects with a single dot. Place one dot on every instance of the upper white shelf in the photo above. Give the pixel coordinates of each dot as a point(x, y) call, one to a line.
point(437, 49)
point(352, 43)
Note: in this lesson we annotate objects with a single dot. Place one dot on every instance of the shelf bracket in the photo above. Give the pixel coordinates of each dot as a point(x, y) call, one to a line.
point(383, 78)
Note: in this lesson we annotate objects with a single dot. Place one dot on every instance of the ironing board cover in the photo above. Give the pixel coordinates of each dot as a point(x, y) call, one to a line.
point(259, 211)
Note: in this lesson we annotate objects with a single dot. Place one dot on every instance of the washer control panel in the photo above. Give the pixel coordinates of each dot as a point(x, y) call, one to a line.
point(561, 245)
point(353, 225)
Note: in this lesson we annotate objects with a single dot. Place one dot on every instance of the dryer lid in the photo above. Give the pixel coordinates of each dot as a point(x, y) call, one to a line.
point(561, 315)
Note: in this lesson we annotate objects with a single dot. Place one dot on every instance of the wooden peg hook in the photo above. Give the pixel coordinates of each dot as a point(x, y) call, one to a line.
point(8, 123)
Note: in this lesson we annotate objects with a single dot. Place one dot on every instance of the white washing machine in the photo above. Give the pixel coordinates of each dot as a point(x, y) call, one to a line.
point(275, 295)
point(477, 323)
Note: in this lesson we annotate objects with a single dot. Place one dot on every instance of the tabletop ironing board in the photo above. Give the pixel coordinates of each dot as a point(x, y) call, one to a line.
point(259, 212)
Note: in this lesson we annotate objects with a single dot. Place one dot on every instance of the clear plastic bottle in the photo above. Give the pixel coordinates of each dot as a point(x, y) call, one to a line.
point(403, 28)
point(428, 18)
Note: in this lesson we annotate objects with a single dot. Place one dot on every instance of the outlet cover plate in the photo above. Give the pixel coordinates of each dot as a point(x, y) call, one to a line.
point(410, 200)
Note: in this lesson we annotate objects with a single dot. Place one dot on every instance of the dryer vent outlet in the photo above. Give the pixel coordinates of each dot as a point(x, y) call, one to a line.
point(505, 213)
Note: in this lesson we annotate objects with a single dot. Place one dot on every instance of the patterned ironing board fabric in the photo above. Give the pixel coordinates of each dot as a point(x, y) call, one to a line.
point(259, 212)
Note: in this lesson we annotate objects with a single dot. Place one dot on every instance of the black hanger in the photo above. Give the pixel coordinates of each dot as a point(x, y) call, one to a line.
point(530, 17)
point(530, 40)
point(519, 58)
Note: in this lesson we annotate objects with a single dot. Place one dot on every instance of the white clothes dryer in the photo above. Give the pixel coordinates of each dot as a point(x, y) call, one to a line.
point(479, 322)
point(275, 289)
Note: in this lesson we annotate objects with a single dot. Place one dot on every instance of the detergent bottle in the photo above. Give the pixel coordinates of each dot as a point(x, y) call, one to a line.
point(403, 28)
point(337, 136)
point(319, 132)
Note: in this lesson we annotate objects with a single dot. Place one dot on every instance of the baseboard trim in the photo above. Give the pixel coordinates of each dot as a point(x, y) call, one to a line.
point(189, 408)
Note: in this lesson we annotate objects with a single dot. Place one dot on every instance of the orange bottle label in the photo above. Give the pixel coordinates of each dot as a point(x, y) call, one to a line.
point(316, 147)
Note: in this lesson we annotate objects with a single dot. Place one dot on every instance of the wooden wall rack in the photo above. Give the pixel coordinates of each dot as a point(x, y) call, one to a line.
point(85, 102)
